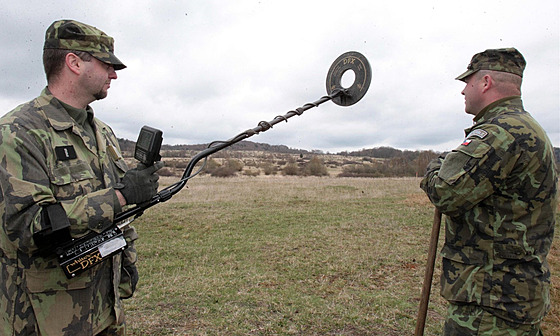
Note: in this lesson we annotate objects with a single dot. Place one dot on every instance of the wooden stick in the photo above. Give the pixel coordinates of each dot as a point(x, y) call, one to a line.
point(428, 275)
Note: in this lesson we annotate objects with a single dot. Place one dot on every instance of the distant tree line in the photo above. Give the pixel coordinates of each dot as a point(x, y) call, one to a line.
point(372, 162)
point(396, 166)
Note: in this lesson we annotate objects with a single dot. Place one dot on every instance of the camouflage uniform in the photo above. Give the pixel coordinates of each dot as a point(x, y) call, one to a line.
point(498, 190)
point(36, 298)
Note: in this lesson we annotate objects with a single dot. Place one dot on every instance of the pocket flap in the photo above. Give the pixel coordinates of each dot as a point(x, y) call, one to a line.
point(53, 279)
point(463, 254)
point(475, 149)
point(509, 251)
point(461, 160)
point(67, 173)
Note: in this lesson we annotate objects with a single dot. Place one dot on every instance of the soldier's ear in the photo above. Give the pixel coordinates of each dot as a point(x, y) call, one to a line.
point(487, 83)
point(74, 63)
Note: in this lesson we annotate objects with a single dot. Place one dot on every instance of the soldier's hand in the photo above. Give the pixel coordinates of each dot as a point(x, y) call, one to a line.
point(140, 184)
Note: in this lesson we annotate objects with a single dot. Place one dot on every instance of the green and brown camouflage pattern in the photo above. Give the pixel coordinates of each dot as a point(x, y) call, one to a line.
point(74, 35)
point(473, 320)
point(498, 190)
point(35, 295)
point(504, 60)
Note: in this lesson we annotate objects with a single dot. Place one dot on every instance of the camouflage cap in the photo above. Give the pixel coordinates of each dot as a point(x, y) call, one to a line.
point(74, 35)
point(505, 60)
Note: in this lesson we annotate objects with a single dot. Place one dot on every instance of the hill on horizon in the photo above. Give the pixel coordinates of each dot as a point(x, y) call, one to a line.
point(378, 152)
point(382, 152)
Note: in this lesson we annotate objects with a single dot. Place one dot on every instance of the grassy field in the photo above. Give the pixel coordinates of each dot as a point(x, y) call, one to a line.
point(290, 256)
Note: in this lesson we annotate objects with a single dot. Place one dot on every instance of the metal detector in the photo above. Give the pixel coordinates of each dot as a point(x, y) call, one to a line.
point(351, 60)
point(84, 253)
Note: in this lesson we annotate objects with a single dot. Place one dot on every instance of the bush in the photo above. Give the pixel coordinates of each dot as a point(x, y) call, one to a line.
point(234, 164)
point(315, 167)
point(250, 172)
point(291, 169)
point(269, 168)
point(364, 170)
point(210, 166)
point(223, 171)
point(228, 169)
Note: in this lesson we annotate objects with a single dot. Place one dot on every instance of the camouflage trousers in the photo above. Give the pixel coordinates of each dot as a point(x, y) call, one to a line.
point(114, 330)
point(471, 319)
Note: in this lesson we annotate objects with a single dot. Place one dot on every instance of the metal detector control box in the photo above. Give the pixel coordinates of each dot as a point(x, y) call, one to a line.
point(148, 145)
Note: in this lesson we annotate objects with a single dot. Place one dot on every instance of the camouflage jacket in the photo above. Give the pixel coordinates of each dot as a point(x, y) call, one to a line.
point(498, 190)
point(35, 295)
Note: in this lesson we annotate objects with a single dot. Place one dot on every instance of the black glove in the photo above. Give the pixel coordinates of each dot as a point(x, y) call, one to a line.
point(140, 184)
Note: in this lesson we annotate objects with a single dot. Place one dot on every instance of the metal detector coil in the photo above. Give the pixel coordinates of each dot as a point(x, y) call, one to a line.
point(349, 61)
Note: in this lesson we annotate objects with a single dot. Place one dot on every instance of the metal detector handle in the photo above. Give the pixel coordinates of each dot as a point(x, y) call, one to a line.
point(428, 275)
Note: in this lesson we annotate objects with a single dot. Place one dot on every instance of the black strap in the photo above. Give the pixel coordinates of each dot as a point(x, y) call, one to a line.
point(56, 216)
point(55, 228)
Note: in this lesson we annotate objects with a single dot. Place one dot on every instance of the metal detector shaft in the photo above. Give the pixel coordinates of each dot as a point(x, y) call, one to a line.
point(217, 146)
point(349, 61)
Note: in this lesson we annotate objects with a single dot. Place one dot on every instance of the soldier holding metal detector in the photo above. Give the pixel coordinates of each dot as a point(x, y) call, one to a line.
point(62, 177)
point(498, 191)
point(66, 247)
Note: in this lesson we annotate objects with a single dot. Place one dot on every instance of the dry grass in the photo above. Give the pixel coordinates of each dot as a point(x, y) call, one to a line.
point(290, 256)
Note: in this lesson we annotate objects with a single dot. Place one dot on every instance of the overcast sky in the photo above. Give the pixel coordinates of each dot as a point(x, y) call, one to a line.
point(206, 70)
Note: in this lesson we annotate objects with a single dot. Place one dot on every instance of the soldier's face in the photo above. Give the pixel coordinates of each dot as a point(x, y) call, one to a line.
point(97, 79)
point(473, 94)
